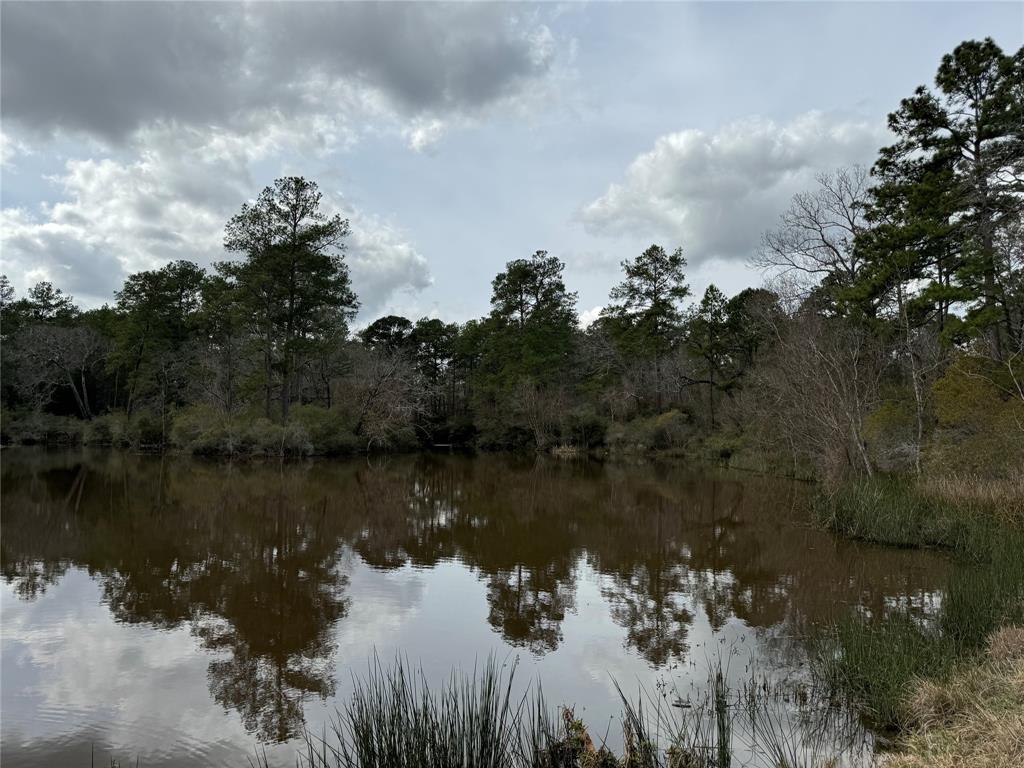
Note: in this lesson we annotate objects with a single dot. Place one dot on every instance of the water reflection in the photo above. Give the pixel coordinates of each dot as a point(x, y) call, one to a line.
point(255, 560)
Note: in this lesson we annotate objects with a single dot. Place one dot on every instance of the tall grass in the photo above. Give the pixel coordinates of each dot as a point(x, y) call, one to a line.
point(899, 512)
point(875, 661)
point(394, 719)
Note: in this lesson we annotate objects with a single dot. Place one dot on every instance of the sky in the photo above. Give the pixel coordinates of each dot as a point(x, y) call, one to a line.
point(454, 137)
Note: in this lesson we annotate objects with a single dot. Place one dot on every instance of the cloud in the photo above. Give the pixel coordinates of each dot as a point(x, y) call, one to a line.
point(109, 70)
point(170, 200)
point(715, 194)
point(382, 263)
point(588, 316)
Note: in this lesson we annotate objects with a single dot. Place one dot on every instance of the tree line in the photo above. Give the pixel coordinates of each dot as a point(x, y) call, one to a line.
point(890, 329)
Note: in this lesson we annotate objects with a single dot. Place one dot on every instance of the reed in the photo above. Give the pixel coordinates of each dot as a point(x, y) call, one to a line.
point(875, 661)
point(394, 719)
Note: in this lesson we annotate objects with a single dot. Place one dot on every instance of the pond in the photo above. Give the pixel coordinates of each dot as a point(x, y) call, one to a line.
point(183, 612)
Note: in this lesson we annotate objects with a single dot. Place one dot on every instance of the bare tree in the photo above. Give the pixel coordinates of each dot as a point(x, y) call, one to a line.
point(818, 387)
point(814, 239)
point(51, 356)
point(388, 396)
point(543, 408)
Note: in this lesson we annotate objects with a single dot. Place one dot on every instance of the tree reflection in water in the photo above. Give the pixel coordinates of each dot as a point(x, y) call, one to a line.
point(254, 558)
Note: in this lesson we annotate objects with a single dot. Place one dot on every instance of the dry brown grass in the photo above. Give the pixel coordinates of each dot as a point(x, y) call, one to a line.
point(976, 718)
point(1003, 497)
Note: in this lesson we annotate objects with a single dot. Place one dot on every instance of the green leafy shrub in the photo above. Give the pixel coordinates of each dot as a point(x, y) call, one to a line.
point(267, 438)
point(890, 434)
point(980, 428)
point(329, 430)
point(585, 428)
point(113, 429)
point(34, 428)
point(666, 431)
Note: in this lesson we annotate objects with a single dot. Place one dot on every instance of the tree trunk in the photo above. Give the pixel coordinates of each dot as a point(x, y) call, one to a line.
point(286, 385)
point(268, 387)
point(85, 395)
point(78, 399)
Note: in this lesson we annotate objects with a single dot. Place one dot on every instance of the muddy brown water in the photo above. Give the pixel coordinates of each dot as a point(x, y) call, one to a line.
point(184, 612)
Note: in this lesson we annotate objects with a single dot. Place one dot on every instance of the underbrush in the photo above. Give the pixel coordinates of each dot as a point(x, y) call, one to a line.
point(205, 431)
point(666, 431)
point(34, 428)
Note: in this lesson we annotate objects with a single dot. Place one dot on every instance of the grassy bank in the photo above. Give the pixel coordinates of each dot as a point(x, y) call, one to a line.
point(876, 660)
point(975, 717)
point(964, 515)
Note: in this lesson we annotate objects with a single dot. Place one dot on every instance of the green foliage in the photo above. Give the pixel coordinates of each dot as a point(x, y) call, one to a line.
point(873, 663)
point(203, 430)
point(949, 192)
point(113, 429)
point(647, 316)
point(584, 428)
point(395, 719)
point(666, 431)
point(532, 322)
point(838, 377)
point(980, 427)
point(330, 431)
point(292, 281)
point(267, 438)
point(389, 333)
point(889, 433)
point(20, 427)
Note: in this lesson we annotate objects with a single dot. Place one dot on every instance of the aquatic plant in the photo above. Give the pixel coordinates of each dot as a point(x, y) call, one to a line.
point(395, 719)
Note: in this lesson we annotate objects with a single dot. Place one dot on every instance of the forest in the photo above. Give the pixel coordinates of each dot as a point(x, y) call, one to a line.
point(888, 335)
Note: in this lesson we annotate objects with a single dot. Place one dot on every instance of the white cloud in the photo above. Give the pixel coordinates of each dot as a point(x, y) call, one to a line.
point(588, 316)
point(715, 194)
point(423, 134)
point(169, 201)
point(382, 263)
point(10, 148)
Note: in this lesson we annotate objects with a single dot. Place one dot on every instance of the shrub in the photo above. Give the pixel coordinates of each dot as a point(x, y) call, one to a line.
point(329, 429)
point(662, 432)
point(266, 438)
point(979, 429)
point(32, 427)
point(890, 433)
point(584, 428)
point(112, 429)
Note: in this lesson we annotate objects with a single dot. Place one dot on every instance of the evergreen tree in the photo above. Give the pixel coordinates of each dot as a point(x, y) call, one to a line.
point(645, 318)
point(292, 278)
point(157, 311)
point(949, 191)
point(388, 334)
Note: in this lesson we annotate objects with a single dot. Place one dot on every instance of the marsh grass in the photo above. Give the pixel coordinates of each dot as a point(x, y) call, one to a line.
point(394, 719)
point(875, 661)
point(900, 512)
point(1002, 498)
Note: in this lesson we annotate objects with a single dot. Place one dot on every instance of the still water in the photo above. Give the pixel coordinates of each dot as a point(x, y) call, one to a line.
point(183, 612)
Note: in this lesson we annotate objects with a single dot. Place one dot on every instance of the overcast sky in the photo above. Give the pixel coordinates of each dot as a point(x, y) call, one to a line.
point(454, 137)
